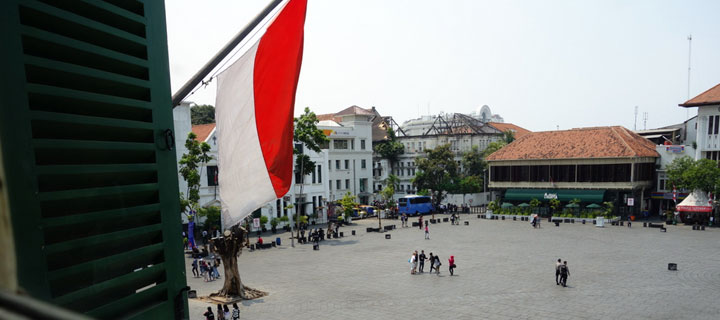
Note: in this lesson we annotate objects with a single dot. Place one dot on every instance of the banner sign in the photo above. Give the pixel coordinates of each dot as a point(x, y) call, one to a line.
point(675, 149)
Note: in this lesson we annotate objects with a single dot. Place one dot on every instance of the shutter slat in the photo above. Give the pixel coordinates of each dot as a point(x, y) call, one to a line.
point(83, 46)
point(87, 96)
point(95, 192)
point(99, 215)
point(134, 279)
point(95, 145)
point(85, 268)
point(90, 24)
point(117, 11)
point(141, 304)
point(106, 168)
point(84, 71)
point(94, 240)
point(98, 121)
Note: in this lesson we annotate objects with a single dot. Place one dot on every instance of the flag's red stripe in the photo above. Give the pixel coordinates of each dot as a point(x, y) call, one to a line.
point(277, 68)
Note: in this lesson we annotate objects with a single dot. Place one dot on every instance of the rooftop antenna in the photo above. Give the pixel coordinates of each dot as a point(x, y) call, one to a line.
point(635, 123)
point(687, 110)
point(645, 117)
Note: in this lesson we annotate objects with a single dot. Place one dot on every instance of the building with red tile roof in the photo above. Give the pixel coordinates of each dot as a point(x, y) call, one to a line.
point(709, 97)
point(203, 131)
point(503, 126)
point(594, 165)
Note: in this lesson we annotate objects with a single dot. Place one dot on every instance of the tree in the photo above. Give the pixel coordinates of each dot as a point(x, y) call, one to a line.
point(508, 136)
point(306, 133)
point(438, 172)
point(390, 149)
point(202, 114)
point(554, 204)
point(212, 216)
point(686, 173)
point(493, 146)
point(229, 246)
point(473, 163)
point(348, 203)
point(190, 163)
point(534, 203)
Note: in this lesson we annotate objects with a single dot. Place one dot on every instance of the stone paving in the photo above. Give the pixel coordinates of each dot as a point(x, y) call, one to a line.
point(505, 271)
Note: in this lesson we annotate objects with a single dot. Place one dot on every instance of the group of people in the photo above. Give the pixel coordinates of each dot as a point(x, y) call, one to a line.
point(208, 269)
point(417, 263)
point(223, 313)
point(561, 273)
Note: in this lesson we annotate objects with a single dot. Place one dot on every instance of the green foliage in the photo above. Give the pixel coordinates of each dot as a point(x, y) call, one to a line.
point(190, 163)
point(284, 219)
point(274, 222)
point(202, 114)
point(387, 193)
point(303, 161)
point(609, 208)
point(473, 163)
point(554, 204)
point(534, 203)
point(493, 206)
point(423, 192)
point(306, 132)
point(575, 201)
point(348, 203)
point(508, 136)
point(304, 219)
point(212, 216)
point(469, 184)
point(263, 220)
point(437, 171)
point(493, 146)
point(389, 149)
point(686, 173)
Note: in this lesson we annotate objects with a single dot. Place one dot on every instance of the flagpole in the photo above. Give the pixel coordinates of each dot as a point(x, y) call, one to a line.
point(214, 61)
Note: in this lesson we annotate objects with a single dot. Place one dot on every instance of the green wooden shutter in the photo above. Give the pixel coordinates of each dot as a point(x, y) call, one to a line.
point(84, 120)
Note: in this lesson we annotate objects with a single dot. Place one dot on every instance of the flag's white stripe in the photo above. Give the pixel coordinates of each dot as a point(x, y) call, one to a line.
point(243, 176)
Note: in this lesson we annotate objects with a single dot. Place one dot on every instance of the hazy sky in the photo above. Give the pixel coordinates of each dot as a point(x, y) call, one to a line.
point(539, 64)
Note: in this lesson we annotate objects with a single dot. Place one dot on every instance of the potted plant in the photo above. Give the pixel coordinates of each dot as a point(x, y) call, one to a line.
point(274, 222)
point(285, 219)
point(263, 221)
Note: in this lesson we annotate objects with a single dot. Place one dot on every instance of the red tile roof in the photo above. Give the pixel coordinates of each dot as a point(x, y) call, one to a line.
point(328, 116)
point(203, 131)
point(519, 131)
point(355, 110)
point(582, 143)
point(711, 96)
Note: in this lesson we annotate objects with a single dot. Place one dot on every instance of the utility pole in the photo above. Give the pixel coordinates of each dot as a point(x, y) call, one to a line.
point(635, 123)
point(645, 118)
point(687, 111)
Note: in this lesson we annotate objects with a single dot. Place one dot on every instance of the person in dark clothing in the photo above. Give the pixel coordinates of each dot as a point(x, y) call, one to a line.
point(421, 224)
point(431, 260)
point(209, 315)
point(564, 273)
point(422, 259)
point(195, 272)
point(557, 271)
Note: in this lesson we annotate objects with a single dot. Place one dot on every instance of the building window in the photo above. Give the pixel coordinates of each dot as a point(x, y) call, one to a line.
point(362, 144)
point(347, 183)
point(340, 144)
point(330, 185)
point(347, 164)
point(352, 144)
point(362, 164)
point(277, 208)
point(212, 175)
point(329, 165)
point(319, 173)
point(314, 177)
point(338, 185)
point(337, 164)
point(363, 184)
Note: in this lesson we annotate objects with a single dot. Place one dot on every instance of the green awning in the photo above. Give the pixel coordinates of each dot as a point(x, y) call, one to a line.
point(563, 195)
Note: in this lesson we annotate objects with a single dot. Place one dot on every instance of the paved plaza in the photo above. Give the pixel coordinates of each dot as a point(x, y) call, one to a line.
point(505, 271)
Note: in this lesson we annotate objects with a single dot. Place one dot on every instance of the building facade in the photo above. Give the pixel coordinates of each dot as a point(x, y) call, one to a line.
point(593, 165)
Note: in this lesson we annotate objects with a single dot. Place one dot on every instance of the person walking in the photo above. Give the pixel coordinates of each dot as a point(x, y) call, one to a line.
point(235, 312)
point(195, 272)
point(420, 220)
point(412, 263)
point(437, 264)
point(451, 265)
point(564, 273)
point(557, 271)
point(422, 259)
point(427, 233)
point(220, 313)
point(432, 262)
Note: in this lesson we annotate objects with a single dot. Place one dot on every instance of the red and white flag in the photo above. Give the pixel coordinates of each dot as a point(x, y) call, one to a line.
point(674, 194)
point(254, 117)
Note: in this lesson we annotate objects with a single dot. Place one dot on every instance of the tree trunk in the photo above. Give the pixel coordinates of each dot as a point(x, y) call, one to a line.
point(230, 247)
